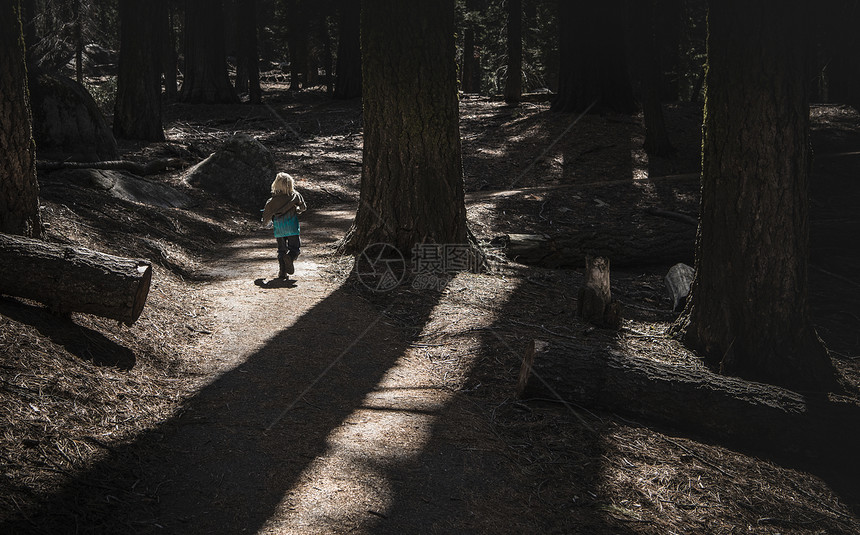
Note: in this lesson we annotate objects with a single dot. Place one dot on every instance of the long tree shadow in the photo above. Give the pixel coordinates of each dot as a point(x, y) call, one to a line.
point(224, 463)
point(493, 464)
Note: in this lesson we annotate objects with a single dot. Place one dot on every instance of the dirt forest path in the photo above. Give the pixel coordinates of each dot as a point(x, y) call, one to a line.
point(318, 416)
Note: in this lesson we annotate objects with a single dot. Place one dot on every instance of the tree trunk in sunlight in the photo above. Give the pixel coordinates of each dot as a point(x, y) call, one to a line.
point(748, 312)
point(412, 175)
point(206, 80)
point(137, 112)
point(19, 190)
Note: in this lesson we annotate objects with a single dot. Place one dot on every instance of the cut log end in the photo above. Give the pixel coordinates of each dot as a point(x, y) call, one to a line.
point(140, 296)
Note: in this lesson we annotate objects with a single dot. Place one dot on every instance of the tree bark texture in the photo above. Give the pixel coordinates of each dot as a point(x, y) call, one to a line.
point(137, 112)
point(74, 279)
point(734, 411)
point(514, 79)
point(19, 190)
point(412, 176)
point(348, 81)
point(206, 80)
point(593, 64)
point(748, 311)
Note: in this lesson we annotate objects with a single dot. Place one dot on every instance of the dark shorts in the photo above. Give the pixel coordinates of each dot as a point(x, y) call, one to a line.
point(289, 245)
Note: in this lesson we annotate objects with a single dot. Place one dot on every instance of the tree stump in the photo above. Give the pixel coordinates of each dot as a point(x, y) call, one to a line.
point(594, 304)
point(74, 279)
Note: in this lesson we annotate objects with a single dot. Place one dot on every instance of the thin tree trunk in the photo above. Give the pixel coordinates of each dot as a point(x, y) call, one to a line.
point(328, 60)
point(748, 311)
point(78, 37)
point(19, 190)
point(514, 80)
point(248, 61)
point(645, 54)
point(348, 81)
point(667, 26)
point(298, 44)
point(169, 52)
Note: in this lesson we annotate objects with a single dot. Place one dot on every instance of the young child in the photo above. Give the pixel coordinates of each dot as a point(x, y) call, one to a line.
point(282, 210)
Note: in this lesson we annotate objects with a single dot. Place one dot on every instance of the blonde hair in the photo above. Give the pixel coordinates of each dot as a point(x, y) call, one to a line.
point(283, 184)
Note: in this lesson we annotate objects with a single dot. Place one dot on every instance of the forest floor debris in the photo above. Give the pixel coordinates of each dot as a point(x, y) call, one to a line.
point(189, 420)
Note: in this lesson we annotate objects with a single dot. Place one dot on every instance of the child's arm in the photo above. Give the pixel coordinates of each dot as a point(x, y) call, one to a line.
point(300, 204)
point(267, 212)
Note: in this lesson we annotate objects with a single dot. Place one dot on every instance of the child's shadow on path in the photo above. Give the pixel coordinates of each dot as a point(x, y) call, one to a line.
point(275, 283)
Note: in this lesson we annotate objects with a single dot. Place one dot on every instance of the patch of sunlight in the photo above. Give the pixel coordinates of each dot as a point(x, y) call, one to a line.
point(639, 161)
point(348, 488)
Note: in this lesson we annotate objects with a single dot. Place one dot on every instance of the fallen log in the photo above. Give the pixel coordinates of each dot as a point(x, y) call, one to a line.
point(736, 412)
point(74, 279)
point(668, 244)
point(149, 168)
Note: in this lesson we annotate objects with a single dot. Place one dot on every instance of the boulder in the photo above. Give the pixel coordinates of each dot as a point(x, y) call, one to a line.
point(67, 123)
point(241, 171)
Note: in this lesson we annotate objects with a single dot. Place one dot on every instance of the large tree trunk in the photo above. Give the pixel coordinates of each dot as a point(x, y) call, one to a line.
point(19, 190)
point(206, 79)
point(137, 112)
point(593, 66)
point(412, 175)
point(514, 79)
point(348, 81)
point(74, 279)
point(734, 411)
point(748, 311)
